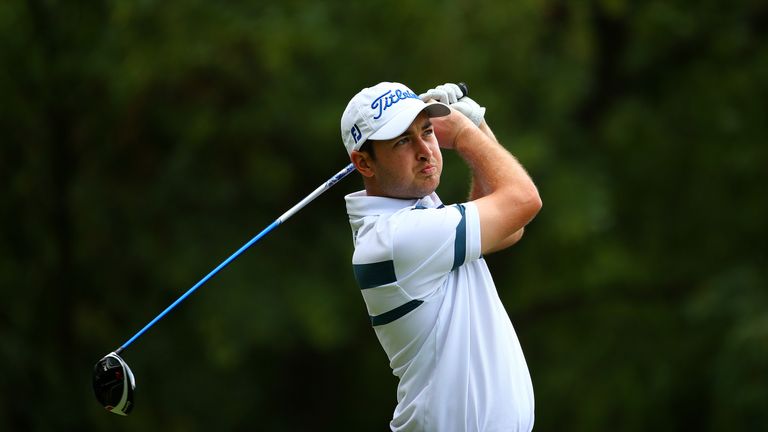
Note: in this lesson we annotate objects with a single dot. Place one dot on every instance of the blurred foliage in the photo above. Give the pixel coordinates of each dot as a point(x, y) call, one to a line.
point(142, 142)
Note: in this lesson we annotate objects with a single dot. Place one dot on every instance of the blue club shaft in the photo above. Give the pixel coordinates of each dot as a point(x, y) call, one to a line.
point(317, 192)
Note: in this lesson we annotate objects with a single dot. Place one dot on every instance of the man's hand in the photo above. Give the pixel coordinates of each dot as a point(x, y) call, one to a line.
point(451, 95)
point(448, 128)
point(447, 93)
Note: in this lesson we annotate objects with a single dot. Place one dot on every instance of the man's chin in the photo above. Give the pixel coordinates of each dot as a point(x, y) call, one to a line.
point(415, 190)
point(427, 190)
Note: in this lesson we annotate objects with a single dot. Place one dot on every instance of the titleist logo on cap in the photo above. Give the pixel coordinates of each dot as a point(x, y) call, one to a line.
point(388, 99)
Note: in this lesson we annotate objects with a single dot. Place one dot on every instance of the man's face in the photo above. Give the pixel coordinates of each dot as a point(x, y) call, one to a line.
point(410, 165)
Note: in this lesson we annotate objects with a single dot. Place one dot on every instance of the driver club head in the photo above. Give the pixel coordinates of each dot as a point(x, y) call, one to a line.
point(114, 384)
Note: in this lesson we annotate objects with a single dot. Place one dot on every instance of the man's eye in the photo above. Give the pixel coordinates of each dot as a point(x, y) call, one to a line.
point(401, 141)
point(429, 132)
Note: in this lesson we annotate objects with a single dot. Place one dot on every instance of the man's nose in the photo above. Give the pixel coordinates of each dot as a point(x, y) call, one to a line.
point(423, 151)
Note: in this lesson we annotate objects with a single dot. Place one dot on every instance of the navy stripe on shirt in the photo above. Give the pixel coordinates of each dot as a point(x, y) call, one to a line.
point(375, 274)
point(396, 313)
point(460, 243)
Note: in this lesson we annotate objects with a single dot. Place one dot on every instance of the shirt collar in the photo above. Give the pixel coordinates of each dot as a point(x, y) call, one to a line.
point(361, 204)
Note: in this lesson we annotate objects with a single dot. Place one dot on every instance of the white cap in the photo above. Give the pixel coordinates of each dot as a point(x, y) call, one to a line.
point(383, 112)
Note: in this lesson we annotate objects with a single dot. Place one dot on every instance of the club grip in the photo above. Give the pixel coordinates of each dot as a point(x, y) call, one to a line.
point(464, 89)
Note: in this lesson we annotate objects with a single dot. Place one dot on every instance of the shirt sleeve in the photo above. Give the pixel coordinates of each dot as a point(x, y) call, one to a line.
point(430, 243)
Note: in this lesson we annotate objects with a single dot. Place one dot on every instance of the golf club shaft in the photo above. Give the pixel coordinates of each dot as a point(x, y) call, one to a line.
point(285, 216)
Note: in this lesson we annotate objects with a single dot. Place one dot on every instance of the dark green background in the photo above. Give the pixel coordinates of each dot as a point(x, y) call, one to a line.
point(144, 141)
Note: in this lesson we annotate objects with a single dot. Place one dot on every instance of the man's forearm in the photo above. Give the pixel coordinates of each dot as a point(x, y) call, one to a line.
point(478, 189)
point(493, 167)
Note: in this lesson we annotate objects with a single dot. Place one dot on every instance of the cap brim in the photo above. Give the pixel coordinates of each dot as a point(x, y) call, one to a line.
point(400, 122)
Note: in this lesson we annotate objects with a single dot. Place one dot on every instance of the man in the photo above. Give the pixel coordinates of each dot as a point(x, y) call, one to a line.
point(429, 293)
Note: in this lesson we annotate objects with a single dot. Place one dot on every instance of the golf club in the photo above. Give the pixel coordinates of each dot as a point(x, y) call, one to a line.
point(113, 381)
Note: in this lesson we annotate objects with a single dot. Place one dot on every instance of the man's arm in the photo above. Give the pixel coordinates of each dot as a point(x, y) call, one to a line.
point(479, 190)
point(507, 198)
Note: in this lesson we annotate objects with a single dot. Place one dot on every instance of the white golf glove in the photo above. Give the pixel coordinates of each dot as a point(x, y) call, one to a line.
point(450, 94)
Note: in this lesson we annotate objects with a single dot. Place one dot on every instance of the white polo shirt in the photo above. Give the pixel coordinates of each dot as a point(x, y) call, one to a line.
point(437, 315)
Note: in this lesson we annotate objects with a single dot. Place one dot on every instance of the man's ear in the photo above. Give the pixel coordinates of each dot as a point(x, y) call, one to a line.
point(362, 162)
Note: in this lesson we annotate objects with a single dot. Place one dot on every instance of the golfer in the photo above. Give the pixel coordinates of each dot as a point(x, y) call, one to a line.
point(419, 263)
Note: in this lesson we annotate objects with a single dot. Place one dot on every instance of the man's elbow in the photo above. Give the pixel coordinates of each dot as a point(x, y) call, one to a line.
point(517, 236)
point(536, 203)
point(530, 202)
